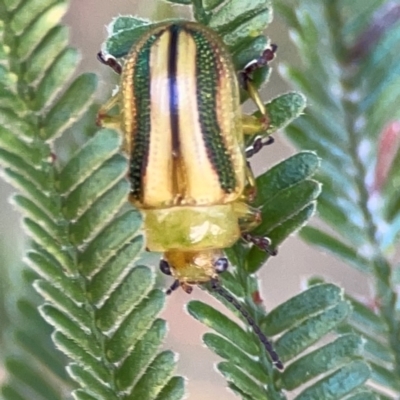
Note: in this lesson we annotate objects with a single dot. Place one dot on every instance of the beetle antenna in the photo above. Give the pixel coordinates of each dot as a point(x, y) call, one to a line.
point(173, 287)
point(263, 339)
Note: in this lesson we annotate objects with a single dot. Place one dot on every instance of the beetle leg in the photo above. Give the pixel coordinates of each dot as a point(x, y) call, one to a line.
point(245, 76)
point(256, 125)
point(249, 218)
point(109, 61)
point(250, 188)
point(258, 143)
point(186, 287)
point(263, 243)
point(104, 119)
point(267, 56)
point(253, 125)
point(173, 287)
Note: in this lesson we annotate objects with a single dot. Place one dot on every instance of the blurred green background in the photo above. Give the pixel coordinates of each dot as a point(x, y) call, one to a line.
point(281, 278)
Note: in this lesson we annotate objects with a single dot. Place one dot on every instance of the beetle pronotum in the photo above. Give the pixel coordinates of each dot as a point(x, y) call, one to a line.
point(184, 132)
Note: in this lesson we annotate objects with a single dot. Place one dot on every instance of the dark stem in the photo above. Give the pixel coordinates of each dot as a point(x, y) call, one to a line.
point(263, 339)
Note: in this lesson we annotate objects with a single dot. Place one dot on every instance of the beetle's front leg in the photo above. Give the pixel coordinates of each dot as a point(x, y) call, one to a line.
point(110, 61)
point(103, 119)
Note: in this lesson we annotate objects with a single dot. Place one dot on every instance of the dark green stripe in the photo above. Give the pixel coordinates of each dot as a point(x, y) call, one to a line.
point(141, 142)
point(207, 84)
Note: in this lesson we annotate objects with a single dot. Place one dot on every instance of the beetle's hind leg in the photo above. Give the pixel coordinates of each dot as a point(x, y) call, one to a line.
point(249, 218)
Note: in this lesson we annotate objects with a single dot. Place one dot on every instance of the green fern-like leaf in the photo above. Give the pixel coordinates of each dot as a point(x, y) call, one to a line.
point(286, 196)
point(351, 78)
point(85, 238)
point(28, 350)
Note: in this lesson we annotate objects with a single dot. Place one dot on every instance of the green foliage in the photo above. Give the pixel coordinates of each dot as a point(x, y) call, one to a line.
point(287, 200)
point(351, 78)
point(84, 237)
point(286, 197)
point(28, 348)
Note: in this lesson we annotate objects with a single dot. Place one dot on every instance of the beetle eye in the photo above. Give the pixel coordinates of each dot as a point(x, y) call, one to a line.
point(221, 265)
point(164, 267)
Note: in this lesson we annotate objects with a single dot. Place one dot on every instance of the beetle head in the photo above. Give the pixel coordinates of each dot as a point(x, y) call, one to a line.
point(193, 267)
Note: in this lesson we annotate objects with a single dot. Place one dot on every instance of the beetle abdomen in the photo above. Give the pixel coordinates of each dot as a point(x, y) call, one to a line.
point(182, 119)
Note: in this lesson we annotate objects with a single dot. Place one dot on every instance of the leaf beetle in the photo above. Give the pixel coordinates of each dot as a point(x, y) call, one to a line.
point(184, 132)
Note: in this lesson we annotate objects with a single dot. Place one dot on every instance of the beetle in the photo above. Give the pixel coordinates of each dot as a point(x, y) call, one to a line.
point(179, 111)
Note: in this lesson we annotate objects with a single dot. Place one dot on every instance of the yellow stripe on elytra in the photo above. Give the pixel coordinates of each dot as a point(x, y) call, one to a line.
point(203, 185)
point(128, 105)
point(158, 183)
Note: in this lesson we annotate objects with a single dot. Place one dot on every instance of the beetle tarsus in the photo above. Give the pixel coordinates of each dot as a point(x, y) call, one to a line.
point(261, 242)
point(258, 144)
point(109, 61)
point(173, 287)
point(186, 287)
point(267, 56)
